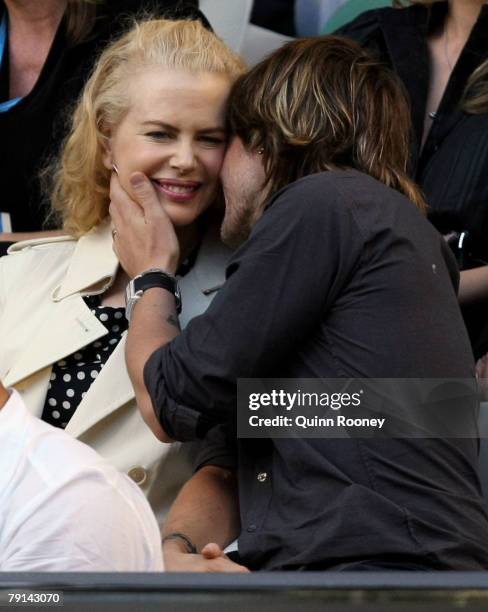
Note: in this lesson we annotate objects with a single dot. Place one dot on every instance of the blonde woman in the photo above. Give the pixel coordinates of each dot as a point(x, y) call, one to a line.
point(440, 51)
point(155, 103)
point(47, 50)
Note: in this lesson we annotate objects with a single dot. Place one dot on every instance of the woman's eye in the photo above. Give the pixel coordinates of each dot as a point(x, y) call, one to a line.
point(159, 135)
point(213, 140)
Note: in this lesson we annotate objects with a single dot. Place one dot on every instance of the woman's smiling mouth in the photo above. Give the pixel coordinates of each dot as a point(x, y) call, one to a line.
point(175, 190)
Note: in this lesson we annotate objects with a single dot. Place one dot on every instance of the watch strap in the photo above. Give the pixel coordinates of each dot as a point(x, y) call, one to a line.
point(150, 278)
point(147, 280)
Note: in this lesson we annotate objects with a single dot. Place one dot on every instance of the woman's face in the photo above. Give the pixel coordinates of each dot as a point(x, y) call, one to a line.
point(174, 132)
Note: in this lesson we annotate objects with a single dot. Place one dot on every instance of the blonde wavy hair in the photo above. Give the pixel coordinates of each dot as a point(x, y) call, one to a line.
point(475, 96)
point(80, 193)
point(324, 103)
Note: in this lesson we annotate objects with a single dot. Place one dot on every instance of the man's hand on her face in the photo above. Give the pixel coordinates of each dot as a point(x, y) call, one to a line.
point(144, 236)
point(4, 395)
point(211, 560)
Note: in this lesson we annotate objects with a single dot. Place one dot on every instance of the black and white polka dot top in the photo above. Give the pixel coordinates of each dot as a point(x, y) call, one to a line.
point(72, 376)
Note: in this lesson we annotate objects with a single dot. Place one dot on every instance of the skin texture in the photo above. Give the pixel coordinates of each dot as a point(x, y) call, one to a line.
point(242, 179)
point(206, 508)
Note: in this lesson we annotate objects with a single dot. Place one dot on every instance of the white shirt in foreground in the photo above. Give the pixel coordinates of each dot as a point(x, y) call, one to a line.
point(63, 508)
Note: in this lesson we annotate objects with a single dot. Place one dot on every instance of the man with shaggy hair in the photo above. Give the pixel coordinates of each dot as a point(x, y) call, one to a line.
point(337, 274)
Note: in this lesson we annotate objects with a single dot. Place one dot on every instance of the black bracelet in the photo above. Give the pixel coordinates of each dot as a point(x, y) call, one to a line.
point(181, 536)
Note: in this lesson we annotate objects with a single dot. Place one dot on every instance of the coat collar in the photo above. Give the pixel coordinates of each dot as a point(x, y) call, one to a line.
point(404, 31)
point(93, 265)
point(68, 325)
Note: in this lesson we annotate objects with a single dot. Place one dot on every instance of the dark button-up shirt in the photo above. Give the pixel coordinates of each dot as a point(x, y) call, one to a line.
point(341, 277)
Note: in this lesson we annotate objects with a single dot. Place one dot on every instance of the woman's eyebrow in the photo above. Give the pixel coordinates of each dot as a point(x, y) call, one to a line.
point(168, 126)
point(208, 130)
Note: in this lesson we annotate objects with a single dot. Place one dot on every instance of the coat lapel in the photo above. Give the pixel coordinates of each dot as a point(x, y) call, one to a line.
point(93, 265)
point(69, 326)
point(404, 31)
point(109, 391)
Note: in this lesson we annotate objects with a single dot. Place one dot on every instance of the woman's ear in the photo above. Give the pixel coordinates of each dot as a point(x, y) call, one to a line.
point(107, 159)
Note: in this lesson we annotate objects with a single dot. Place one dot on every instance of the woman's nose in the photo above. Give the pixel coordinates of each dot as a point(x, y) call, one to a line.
point(183, 157)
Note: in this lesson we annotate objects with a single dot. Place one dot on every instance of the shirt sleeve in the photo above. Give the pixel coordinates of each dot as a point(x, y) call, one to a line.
point(218, 449)
point(279, 285)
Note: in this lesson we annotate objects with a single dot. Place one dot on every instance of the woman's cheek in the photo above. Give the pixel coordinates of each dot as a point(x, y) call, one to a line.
point(214, 164)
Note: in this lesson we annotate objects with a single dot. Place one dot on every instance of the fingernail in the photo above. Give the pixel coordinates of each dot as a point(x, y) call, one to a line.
point(137, 180)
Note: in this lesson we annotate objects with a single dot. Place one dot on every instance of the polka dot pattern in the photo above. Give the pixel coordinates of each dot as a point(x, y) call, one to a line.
point(72, 376)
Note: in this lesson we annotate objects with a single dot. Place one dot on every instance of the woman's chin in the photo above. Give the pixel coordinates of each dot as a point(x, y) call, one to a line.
point(182, 220)
point(182, 215)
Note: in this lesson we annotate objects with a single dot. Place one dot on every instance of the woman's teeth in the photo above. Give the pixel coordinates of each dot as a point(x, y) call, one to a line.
point(178, 188)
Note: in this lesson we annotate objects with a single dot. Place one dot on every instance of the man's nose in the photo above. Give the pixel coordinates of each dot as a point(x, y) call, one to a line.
point(183, 157)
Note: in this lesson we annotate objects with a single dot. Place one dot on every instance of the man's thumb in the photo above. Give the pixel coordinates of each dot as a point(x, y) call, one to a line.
point(143, 190)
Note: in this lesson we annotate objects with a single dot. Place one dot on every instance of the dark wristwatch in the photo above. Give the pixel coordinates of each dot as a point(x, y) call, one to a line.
point(154, 277)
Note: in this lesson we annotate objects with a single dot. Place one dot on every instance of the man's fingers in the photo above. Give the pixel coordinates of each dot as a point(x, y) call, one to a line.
point(115, 249)
point(220, 561)
point(121, 205)
point(223, 564)
point(212, 551)
point(144, 192)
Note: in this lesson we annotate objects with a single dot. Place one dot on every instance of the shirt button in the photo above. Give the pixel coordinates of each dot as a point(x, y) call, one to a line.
point(251, 528)
point(262, 476)
point(138, 475)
